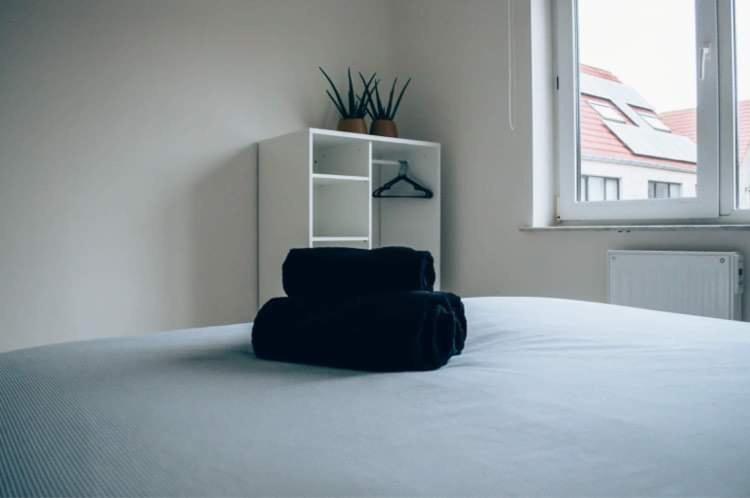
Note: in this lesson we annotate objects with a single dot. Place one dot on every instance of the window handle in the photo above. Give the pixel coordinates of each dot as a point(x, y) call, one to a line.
point(705, 55)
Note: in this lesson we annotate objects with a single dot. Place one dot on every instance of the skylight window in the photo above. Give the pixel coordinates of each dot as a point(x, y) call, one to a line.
point(608, 112)
point(655, 123)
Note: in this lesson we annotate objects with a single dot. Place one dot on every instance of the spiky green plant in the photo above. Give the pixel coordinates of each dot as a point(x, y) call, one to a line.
point(377, 110)
point(356, 105)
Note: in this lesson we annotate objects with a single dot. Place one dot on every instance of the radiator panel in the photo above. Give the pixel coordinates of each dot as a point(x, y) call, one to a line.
point(694, 283)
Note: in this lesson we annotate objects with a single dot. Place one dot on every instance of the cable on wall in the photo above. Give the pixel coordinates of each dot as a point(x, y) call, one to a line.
point(511, 120)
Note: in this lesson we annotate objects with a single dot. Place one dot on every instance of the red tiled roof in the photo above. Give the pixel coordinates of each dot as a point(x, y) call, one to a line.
point(598, 141)
point(684, 123)
point(599, 73)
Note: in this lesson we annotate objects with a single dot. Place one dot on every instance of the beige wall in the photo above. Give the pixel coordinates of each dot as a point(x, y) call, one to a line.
point(457, 52)
point(127, 166)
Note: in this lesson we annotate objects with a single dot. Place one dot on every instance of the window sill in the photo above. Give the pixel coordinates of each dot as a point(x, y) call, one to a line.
point(634, 228)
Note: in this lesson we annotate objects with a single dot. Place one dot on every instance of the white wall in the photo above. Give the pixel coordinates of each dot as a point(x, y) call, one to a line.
point(127, 166)
point(457, 53)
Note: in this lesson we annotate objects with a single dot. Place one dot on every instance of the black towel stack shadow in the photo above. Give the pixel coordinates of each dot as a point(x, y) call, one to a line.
point(362, 310)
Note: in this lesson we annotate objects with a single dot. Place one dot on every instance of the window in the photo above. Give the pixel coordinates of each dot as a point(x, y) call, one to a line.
point(664, 190)
point(599, 188)
point(655, 122)
point(679, 113)
point(607, 112)
point(742, 56)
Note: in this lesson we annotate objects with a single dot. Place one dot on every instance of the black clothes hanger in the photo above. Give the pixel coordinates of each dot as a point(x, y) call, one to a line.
point(421, 192)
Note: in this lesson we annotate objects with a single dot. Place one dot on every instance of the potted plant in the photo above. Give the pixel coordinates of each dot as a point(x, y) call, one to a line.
point(354, 110)
point(382, 115)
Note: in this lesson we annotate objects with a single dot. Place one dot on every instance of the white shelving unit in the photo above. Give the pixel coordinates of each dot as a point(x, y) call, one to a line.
point(315, 190)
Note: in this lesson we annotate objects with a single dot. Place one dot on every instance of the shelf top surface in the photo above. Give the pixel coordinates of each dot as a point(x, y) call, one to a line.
point(334, 137)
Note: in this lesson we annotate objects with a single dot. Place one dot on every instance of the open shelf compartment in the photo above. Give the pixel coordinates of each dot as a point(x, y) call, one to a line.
point(341, 212)
point(343, 159)
point(407, 221)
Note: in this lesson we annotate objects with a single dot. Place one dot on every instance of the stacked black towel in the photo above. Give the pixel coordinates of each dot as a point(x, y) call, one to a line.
point(364, 310)
point(345, 272)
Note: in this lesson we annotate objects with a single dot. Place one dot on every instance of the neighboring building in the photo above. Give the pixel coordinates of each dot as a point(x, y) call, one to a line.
point(683, 123)
point(628, 151)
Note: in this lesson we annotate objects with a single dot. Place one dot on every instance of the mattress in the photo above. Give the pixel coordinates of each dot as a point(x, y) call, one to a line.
point(550, 398)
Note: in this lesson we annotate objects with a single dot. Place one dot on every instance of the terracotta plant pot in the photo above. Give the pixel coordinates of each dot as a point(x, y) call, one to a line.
point(353, 126)
point(384, 128)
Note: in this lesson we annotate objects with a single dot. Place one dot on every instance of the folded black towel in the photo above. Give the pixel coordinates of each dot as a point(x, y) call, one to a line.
point(382, 333)
point(332, 271)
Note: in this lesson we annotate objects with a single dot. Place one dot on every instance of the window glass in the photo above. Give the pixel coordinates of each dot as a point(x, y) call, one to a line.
point(596, 189)
point(612, 189)
point(742, 23)
point(646, 67)
point(664, 190)
point(599, 188)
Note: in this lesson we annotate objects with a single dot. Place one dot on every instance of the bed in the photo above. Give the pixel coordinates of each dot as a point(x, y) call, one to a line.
point(550, 398)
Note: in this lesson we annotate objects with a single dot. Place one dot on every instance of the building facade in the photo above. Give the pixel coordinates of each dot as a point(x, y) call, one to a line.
point(630, 151)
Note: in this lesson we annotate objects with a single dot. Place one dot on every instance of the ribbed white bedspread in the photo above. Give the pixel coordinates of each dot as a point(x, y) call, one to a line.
point(550, 398)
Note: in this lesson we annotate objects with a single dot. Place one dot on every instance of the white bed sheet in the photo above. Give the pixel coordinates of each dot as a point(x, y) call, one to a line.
point(550, 398)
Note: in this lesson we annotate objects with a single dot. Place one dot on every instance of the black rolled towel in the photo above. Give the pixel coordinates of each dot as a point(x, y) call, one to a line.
point(457, 306)
point(379, 333)
point(333, 271)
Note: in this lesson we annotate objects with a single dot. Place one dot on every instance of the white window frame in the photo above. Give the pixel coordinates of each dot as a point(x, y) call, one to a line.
point(728, 206)
point(713, 155)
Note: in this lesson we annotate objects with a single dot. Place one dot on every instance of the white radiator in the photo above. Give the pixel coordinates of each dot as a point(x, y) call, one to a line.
point(696, 283)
